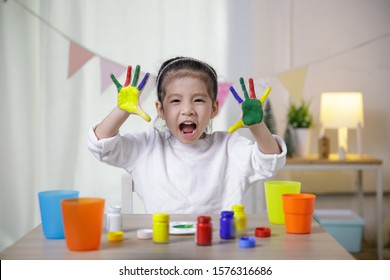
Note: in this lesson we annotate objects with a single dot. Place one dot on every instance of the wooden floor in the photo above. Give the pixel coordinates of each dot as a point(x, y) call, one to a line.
point(368, 252)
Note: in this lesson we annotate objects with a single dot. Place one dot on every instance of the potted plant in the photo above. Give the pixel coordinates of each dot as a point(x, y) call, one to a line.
point(299, 116)
point(300, 120)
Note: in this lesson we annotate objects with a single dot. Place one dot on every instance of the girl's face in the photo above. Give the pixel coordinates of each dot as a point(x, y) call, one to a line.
point(187, 109)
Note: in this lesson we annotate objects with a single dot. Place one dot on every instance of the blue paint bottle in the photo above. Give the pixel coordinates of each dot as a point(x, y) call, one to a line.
point(227, 228)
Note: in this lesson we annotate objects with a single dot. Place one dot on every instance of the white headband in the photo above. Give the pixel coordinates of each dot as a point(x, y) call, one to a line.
point(184, 59)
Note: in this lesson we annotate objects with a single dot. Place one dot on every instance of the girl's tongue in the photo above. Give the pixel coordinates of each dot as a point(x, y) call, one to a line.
point(187, 128)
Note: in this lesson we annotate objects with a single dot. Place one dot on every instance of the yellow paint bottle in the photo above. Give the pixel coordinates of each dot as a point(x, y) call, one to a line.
point(161, 228)
point(240, 219)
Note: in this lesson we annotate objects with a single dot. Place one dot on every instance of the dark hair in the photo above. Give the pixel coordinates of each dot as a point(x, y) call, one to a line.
point(183, 67)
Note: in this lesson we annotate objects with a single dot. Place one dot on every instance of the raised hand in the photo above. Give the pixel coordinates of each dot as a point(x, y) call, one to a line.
point(128, 95)
point(252, 111)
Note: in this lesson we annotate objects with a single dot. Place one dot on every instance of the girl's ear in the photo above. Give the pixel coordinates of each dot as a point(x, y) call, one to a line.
point(160, 110)
point(214, 110)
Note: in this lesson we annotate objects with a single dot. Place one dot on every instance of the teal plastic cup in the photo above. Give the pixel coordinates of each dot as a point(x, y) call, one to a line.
point(51, 211)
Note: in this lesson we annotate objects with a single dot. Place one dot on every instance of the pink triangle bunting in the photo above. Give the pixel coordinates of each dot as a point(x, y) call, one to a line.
point(78, 56)
point(223, 91)
point(107, 68)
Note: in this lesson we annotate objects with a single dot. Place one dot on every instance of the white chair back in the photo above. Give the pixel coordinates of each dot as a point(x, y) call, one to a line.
point(131, 203)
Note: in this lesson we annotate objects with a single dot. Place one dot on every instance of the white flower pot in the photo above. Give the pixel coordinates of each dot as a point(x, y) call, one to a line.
point(302, 141)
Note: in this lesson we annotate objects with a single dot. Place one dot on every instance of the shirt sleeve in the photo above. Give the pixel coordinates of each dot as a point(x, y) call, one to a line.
point(254, 164)
point(120, 150)
point(272, 163)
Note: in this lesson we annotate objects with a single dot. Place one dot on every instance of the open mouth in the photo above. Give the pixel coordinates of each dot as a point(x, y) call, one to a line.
point(187, 128)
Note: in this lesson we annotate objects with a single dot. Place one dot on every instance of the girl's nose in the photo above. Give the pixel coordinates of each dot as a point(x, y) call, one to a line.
point(188, 109)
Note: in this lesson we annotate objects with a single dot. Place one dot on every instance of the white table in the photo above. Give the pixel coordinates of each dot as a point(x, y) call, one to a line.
point(318, 245)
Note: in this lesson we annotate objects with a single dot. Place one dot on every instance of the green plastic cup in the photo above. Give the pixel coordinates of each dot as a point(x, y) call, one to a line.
point(273, 196)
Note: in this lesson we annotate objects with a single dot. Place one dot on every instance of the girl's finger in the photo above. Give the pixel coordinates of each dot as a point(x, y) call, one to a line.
point(128, 76)
point(135, 79)
point(118, 85)
point(236, 126)
point(265, 95)
point(252, 88)
point(244, 88)
point(235, 94)
point(143, 82)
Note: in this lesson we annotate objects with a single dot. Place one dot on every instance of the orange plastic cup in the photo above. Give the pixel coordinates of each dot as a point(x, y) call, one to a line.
point(83, 223)
point(298, 210)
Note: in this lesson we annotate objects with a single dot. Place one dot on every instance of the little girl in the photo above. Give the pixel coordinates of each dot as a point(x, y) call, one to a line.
point(185, 169)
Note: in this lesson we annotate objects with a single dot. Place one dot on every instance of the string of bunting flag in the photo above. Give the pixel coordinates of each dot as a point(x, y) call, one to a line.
point(292, 79)
point(79, 56)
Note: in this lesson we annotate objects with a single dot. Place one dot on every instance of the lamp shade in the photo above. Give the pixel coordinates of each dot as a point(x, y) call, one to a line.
point(341, 109)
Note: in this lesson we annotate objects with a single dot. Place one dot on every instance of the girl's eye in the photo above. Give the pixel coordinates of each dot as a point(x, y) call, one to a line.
point(199, 100)
point(175, 100)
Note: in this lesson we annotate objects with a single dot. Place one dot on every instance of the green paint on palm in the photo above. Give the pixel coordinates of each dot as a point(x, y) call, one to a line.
point(252, 113)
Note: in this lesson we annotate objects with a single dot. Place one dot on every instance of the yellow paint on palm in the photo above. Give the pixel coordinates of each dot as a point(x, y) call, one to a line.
point(128, 101)
point(128, 95)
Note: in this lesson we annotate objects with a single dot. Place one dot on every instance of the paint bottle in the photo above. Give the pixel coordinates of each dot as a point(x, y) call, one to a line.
point(227, 228)
point(114, 219)
point(161, 228)
point(240, 219)
point(204, 231)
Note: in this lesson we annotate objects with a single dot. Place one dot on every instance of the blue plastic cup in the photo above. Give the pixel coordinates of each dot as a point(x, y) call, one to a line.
point(51, 211)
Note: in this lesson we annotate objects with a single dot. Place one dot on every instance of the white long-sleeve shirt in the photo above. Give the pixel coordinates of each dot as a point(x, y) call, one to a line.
point(204, 178)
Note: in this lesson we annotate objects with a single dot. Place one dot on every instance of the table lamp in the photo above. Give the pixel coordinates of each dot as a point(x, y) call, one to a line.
point(343, 110)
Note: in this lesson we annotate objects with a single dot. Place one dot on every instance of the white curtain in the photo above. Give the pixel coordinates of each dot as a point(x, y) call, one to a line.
point(45, 115)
